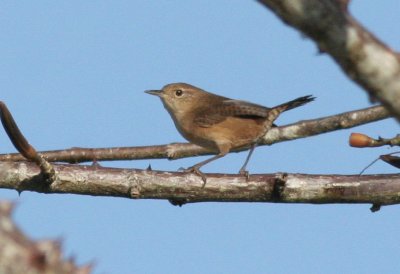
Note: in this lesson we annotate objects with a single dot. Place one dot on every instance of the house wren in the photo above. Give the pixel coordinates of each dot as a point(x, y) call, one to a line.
point(219, 123)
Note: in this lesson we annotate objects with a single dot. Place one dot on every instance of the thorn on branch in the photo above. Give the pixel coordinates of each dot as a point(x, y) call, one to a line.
point(177, 202)
point(22, 145)
point(375, 208)
point(95, 163)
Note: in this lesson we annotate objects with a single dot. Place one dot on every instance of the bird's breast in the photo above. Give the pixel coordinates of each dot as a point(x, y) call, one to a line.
point(234, 131)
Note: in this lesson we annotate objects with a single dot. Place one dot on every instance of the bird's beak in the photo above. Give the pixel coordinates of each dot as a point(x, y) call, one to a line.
point(155, 92)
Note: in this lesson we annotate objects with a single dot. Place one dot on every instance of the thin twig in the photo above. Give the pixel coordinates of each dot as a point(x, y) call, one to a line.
point(180, 150)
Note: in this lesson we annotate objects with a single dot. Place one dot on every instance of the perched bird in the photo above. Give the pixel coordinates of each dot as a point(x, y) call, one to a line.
point(219, 123)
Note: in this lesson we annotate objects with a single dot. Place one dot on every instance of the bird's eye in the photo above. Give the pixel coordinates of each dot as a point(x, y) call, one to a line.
point(178, 92)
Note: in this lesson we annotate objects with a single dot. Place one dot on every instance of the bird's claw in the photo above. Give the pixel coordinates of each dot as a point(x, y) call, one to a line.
point(245, 173)
point(196, 171)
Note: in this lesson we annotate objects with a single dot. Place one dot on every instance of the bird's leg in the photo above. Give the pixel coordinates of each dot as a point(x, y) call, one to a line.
point(223, 150)
point(197, 171)
point(243, 170)
point(196, 168)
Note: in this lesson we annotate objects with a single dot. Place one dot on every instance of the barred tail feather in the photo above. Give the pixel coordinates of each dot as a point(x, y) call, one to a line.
point(295, 103)
point(276, 111)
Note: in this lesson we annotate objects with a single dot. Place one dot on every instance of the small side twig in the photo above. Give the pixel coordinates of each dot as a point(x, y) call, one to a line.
point(362, 140)
point(22, 145)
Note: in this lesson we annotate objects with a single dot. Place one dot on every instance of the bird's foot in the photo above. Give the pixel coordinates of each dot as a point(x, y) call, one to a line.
point(95, 163)
point(196, 171)
point(245, 173)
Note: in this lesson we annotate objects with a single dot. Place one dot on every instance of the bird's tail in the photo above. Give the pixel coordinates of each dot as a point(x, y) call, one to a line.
point(276, 111)
point(294, 103)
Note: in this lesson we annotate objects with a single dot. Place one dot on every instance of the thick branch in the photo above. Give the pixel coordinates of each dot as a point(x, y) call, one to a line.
point(180, 150)
point(364, 58)
point(187, 187)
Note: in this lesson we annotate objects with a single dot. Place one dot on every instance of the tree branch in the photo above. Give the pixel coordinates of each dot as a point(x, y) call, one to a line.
point(182, 188)
point(22, 145)
point(365, 59)
point(180, 150)
point(326, 124)
point(19, 254)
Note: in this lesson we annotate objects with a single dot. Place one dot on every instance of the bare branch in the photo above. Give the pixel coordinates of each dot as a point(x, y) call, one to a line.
point(187, 188)
point(364, 58)
point(180, 150)
point(326, 124)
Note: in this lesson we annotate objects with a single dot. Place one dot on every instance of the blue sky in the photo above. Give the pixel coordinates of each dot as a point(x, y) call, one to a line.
point(73, 74)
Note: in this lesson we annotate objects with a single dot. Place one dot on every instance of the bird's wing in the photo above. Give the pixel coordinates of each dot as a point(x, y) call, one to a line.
point(229, 108)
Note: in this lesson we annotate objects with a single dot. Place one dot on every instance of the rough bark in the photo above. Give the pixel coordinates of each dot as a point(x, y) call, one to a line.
point(363, 57)
point(182, 188)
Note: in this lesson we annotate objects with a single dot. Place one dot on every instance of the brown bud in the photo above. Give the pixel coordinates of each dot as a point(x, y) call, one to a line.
point(360, 140)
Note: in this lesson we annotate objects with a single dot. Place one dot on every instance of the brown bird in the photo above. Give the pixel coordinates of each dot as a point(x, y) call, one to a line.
point(219, 123)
